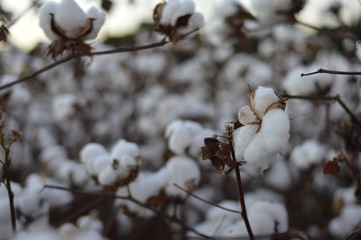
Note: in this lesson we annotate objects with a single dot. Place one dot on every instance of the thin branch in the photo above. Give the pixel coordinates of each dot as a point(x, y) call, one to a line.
point(321, 70)
point(64, 60)
point(172, 218)
point(206, 201)
point(336, 98)
point(241, 192)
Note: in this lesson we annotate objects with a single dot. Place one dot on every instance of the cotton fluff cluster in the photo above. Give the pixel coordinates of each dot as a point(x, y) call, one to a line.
point(63, 107)
point(346, 222)
point(270, 10)
point(265, 130)
point(177, 18)
point(311, 152)
point(265, 218)
point(186, 137)
point(148, 186)
point(117, 167)
point(66, 20)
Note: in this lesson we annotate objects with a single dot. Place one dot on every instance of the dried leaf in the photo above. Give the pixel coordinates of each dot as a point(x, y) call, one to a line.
point(331, 168)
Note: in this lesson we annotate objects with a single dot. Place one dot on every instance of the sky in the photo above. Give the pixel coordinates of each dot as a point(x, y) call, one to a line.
point(125, 17)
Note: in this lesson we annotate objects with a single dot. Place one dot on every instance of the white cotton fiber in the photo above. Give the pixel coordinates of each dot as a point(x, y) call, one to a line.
point(179, 136)
point(263, 98)
point(98, 20)
point(309, 153)
point(91, 151)
point(275, 130)
point(276, 211)
point(99, 163)
point(175, 9)
point(247, 116)
point(257, 155)
point(180, 171)
point(70, 18)
point(123, 147)
point(45, 19)
point(108, 176)
point(241, 139)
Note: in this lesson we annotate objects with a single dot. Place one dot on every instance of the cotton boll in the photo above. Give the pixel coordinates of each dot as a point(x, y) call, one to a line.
point(175, 9)
point(183, 172)
point(196, 21)
point(89, 223)
point(123, 147)
point(261, 223)
point(257, 154)
point(108, 176)
point(309, 153)
point(179, 136)
point(145, 186)
point(214, 212)
point(279, 176)
point(45, 12)
point(63, 107)
point(53, 153)
point(98, 21)
point(275, 130)
point(263, 98)
point(348, 220)
point(237, 229)
point(70, 18)
point(247, 116)
point(266, 11)
point(276, 211)
point(91, 151)
point(99, 164)
point(67, 231)
point(241, 139)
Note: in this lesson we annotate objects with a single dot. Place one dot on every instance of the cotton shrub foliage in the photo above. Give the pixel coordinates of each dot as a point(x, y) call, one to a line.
point(264, 131)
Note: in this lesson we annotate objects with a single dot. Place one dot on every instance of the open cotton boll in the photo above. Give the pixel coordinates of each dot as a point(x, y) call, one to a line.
point(91, 151)
point(279, 176)
point(175, 9)
point(70, 18)
point(196, 21)
point(276, 211)
point(45, 12)
point(247, 116)
point(89, 223)
point(98, 19)
point(348, 221)
point(123, 147)
point(145, 186)
point(266, 11)
point(108, 176)
point(263, 98)
point(309, 153)
point(241, 139)
point(182, 171)
point(99, 164)
point(275, 130)
point(179, 136)
point(257, 155)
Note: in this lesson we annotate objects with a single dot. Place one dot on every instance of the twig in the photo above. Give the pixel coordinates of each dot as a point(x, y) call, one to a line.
point(352, 172)
point(336, 98)
point(241, 191)
point(64, 60)
point(172, 218)
point(321, 70)
point(206, 201)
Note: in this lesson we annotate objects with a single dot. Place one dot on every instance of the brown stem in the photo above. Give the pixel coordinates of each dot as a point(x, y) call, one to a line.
point(321, 70)
point(352, 172)
point(6, 166)
point(336, 98)
point(64, 60)
point(130, 198)
point(241, 192)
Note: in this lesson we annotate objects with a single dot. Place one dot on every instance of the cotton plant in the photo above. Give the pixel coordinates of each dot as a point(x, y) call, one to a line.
point(116, 168)
point(177, 18)
point(264, 129)
point(69, 27)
